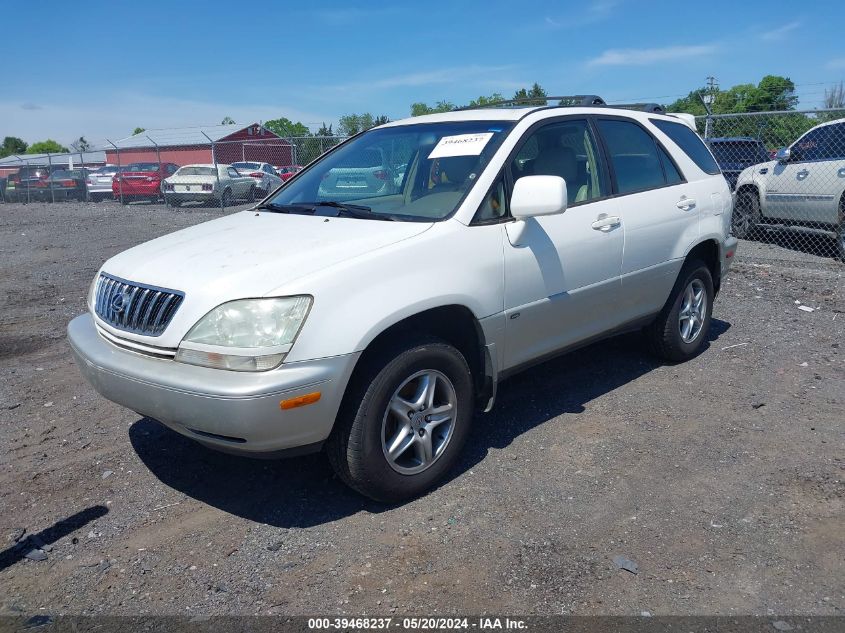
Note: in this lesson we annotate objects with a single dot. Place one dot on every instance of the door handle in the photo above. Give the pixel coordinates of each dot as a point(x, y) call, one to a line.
point(686, 203)
point(803, 173)
point(606, 223)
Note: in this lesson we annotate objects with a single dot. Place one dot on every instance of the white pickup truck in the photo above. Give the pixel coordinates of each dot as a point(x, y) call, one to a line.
point(377, 327)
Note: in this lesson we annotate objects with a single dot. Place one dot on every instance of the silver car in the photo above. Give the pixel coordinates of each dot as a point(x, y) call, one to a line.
point(99, 182)
point(362, 175)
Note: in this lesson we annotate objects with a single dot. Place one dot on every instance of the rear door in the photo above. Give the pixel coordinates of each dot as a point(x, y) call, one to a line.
point(659, 208)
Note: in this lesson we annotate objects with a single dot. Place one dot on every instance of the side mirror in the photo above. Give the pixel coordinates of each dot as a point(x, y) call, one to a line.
point(784, 155)
point(538, 195)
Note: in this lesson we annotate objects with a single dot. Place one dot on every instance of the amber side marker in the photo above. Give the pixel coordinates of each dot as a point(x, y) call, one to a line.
point(299, 401)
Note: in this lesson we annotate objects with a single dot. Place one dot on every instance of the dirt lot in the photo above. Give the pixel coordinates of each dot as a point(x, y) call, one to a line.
point(721, 478)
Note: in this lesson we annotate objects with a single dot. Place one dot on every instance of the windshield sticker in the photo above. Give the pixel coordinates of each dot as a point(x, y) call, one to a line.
point(461, 145)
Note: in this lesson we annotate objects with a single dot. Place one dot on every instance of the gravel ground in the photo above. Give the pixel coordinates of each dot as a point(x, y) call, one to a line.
point(721, 478)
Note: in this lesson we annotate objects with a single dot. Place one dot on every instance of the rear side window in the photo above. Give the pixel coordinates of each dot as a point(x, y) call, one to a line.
point(690, 143)
point(633, 155)
point(673, 176)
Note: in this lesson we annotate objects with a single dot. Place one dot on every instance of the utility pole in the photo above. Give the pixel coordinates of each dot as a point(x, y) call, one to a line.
point(708, 99)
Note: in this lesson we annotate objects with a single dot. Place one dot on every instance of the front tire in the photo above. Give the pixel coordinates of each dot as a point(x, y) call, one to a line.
point(226, 200)
point(680, 330)
point(746, 215)
point(404, 420)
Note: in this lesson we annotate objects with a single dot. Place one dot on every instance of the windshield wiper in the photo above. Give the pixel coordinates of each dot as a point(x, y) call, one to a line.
point(278, 208)
point(349, 210)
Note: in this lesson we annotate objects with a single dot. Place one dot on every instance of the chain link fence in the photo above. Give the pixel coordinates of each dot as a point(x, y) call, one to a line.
point(787, 171)
point(792, 197)
point(220, 166)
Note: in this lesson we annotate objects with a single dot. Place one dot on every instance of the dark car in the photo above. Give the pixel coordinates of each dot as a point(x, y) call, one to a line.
point(22, 186)
point(736, 153)
point(62, 184)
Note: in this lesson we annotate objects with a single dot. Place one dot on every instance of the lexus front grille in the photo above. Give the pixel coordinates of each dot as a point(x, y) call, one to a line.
point(135, 307)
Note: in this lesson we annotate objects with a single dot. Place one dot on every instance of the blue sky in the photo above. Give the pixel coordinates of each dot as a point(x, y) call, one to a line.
point(101, 68)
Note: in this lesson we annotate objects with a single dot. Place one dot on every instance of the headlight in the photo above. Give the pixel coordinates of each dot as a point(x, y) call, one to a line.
point(245, 335)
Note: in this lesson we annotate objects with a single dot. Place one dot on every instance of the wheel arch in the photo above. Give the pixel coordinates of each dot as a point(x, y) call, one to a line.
point(454, 323)
point(708, 251)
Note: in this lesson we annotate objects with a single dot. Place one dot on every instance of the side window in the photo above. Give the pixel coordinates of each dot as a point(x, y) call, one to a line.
point(812, 145)
point(834, 144)
point(233, 173)
point(673, 176)
point(171, 169)
point(493, 207)
point(633, 155)
point(690, 143)
point(566, 149)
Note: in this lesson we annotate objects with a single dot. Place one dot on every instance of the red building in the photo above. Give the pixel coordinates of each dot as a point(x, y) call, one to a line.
point(215, 143)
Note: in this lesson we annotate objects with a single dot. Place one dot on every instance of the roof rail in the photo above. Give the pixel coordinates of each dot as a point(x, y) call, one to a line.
point(651, 108)
point(541, 102)
point(571, 101)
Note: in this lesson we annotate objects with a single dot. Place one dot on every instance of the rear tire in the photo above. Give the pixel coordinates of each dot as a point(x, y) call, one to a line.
point(427, 438)
point(250, 197)
point(680, 330)
point(746, 215)
point(226, 200)
point(840, 231)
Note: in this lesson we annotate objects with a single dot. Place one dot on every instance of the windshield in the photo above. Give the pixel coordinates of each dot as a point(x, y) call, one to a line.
point(246, 165)
point(443, 161)
point(195, 171)
point(739, 152)
point(141, 167)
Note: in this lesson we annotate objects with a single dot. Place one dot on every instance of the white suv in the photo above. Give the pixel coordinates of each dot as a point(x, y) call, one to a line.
point(804, 187)
point(378, 327)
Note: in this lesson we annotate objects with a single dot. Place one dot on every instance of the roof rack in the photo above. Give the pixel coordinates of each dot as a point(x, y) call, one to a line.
point(570, 101)
point(567, 101)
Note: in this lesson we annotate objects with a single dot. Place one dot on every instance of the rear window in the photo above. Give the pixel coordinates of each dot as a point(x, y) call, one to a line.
point(62, 173)
point(196, 171)
point(141, 167)
point(690, 143)
point(246, 165)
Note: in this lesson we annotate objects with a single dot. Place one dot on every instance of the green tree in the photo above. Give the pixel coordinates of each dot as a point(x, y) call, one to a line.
point(419, 109)
point(12, 145)
point(381, 120)
point(350, 124)
point(325, 131)
point(535, 95)
point(485, 101)
point(835, 97)
point(81, 145)
point(286, 127)
point(227, 120)
point(47, 147)
point(138, 130)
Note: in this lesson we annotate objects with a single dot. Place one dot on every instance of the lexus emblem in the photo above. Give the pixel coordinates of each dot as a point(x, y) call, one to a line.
point(117, 303)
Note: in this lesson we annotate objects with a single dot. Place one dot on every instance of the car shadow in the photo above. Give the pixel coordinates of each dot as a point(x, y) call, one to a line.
point(303, 491)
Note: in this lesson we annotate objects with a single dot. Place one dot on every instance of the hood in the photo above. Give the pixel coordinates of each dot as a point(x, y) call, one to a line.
point(250, 254)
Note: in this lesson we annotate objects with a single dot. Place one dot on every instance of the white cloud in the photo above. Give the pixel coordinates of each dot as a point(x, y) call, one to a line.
point(472, 75)
point(100, 117)
point(778, 33)
point(595, 11)
point(646, 56)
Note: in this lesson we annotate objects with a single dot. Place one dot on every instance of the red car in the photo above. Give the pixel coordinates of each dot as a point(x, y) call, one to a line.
point(286, 173)
point(141, 181)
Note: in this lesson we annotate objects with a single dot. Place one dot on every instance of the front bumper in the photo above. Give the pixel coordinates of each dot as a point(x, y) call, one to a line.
point(232, 411)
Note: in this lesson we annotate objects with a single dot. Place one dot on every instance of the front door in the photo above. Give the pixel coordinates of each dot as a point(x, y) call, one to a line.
point(562, 271)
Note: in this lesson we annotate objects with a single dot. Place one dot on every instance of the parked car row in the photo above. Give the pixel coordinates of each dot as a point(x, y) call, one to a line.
point(145, 181)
